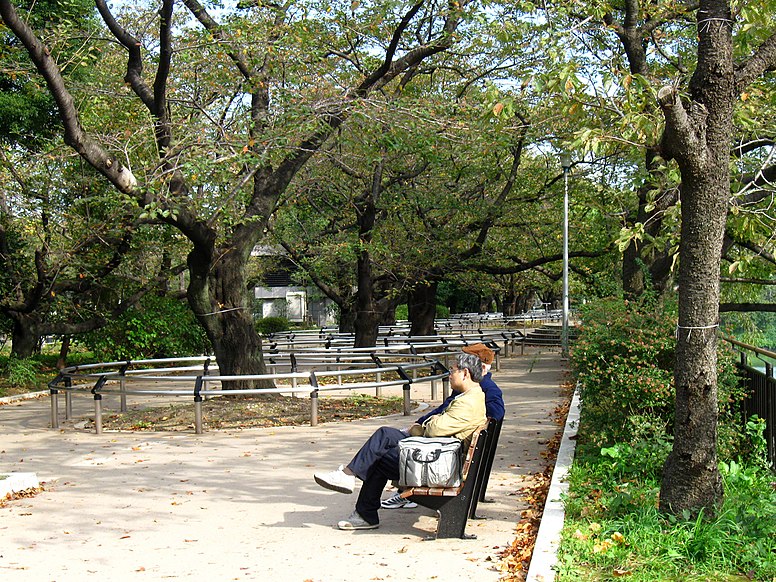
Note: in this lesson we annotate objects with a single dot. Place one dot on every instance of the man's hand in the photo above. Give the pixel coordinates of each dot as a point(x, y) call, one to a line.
point(416, 430)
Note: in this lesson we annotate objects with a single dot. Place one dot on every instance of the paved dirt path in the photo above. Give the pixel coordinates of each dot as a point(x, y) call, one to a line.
point(242, 505)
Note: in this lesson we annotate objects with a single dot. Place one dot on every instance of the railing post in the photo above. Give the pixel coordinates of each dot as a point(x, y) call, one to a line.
point(379, 375)
point(68, 398)
point(123, 387)
point(98, 413)
point(198, 405)
point(54, 409)
point(98, 404)
point(406, 387)
point(314, 400)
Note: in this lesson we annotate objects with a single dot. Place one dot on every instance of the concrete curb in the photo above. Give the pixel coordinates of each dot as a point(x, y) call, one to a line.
point(26, 396)
point(14, 482)
point(545, 554)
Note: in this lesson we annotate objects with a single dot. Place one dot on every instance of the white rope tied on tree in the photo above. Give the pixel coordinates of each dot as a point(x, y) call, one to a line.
point(220, 311)
point(692, 328)
point(706, 22)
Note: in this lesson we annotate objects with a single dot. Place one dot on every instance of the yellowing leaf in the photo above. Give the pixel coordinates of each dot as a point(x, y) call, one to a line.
point(618, 538)
point(578, 535)
point(602, 546)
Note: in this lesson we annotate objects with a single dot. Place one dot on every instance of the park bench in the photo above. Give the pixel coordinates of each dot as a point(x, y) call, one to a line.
point(454, 504)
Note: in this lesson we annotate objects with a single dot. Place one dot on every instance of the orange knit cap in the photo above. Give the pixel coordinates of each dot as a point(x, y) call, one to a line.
point(482, 351)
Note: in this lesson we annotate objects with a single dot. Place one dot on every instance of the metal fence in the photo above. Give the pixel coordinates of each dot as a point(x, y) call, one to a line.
point(308, 362)
point(755, 367)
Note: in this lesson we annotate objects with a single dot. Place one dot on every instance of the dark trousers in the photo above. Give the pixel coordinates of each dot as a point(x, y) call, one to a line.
point(376, 463)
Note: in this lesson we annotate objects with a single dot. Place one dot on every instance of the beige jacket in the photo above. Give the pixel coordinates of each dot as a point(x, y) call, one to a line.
point(460, 419)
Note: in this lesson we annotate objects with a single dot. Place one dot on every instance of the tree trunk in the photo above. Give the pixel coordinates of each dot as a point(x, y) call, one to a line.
point(699, 138)
point(219, 296)
point(367, 318)
point(647, 268)
point(64, 350)
point(421, 307)
point(347, 318)
point(485, 303)
point(24, 338)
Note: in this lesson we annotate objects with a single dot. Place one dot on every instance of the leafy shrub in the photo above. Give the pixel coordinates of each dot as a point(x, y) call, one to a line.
point(612, 520)
point(624, 361)
point(269, 325)
point(442, 311)
point(22, 372)
point(402, 312)
point(159, 327)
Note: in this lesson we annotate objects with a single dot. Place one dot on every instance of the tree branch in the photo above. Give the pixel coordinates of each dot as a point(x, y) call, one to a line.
point(120, 176)
point(763, 59)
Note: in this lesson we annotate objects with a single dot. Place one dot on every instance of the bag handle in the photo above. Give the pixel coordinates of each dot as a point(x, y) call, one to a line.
point(434, 456)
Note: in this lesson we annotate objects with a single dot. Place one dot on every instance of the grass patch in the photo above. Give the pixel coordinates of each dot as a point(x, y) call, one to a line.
point(613, 530)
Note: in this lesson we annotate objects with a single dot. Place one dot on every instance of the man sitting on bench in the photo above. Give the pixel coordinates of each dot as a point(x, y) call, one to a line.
point(494, 409)
point(377, 462)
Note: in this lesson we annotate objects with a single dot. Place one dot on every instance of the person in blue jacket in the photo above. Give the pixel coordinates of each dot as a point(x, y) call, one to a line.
point(494, 408)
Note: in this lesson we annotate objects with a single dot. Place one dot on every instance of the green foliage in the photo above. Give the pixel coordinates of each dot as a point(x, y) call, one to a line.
point(624, 361)
point(27, 111)
point(269, 325)
point(22, 372)
point(160, 327)
point(613, 528)
point(402, 312)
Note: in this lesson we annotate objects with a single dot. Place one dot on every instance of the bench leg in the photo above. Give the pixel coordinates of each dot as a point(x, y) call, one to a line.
point(452, 519)
point(453, 514)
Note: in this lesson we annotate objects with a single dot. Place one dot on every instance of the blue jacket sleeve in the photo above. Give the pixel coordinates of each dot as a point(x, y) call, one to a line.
point(494, 399)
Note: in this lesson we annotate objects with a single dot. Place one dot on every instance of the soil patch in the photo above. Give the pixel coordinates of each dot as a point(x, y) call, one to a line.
point(252, 412)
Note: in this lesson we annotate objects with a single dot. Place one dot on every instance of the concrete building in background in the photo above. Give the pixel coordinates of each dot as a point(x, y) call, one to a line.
point(277, 296)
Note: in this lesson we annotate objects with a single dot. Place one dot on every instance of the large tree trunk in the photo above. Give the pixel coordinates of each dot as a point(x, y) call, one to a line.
point(347, 317)
point(367, 318)
point(24, 338)
point(220, 299)
point(699, 139)
point(421, 307)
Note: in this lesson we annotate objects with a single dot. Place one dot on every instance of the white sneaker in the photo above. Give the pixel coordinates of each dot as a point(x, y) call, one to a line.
point(355, 521)
point(397, 502)
point(338, 480)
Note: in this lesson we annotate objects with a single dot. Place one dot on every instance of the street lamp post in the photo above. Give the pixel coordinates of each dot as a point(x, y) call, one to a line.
point(565, 162)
